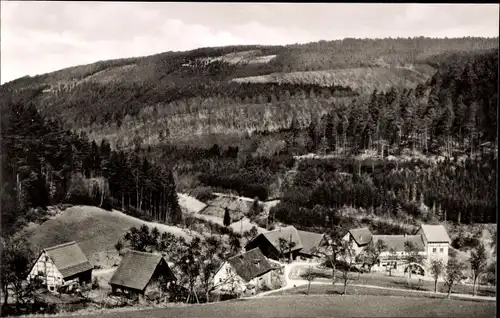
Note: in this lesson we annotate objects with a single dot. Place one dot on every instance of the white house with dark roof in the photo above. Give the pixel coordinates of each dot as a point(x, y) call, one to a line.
point(361, 237)
point(436, 241)
point(245, 272)
point(63, 265)
point(432, 241)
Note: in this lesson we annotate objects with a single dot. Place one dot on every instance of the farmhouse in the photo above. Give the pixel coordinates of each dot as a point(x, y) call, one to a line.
point(432, 241)
point(140, 273)
point(244, 272)
point(286, 242)
point(361, 237)
point(436, 241)
point(62, 266)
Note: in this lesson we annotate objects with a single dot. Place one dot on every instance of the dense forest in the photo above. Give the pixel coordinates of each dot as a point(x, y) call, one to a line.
point(182, 112)
point(43, 164)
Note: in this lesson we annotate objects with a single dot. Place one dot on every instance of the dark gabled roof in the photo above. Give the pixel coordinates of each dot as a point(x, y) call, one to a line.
point(250, 264)
point(285, 233)
point(136, 270)
point(310, 241)
point(68, 259)
point(397, 242)
point(361, 236)
point(435, 233)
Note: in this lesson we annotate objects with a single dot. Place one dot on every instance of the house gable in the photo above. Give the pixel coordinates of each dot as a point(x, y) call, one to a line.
point(434, 233)
point(45, 269)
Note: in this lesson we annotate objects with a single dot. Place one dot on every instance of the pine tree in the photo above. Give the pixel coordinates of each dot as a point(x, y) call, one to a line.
point(227, 217)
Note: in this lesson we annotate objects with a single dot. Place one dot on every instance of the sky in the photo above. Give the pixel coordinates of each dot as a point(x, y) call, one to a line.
point(42, 36)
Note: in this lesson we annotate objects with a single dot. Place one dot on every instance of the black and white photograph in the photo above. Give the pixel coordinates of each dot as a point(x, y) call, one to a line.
point(239, 159)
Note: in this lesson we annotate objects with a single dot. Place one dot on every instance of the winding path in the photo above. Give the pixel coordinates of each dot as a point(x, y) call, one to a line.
point(292, 283)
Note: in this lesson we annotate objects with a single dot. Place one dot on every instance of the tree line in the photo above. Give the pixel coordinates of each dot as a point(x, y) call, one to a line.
point(44, 164)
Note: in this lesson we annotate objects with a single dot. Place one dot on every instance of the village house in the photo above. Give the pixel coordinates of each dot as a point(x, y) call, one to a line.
point(360, 237)
point(304, 244)
point(140, 274)
point(431, 241)
point(395, 252)
point(62, 267)
point(436, 241)
point(245, 273)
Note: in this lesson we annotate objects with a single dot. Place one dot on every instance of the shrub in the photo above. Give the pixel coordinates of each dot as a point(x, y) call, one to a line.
point(95, 283)
point(203, 194)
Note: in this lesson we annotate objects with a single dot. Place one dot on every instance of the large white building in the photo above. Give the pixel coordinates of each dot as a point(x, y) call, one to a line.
point(432, 242)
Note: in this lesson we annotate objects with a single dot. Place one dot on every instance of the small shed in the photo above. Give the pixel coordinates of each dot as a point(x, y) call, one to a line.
point(140, 273)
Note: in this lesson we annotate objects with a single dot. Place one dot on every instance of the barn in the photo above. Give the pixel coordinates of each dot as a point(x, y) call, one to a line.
point(276, 244)
point(62, 266)
point(140, 273)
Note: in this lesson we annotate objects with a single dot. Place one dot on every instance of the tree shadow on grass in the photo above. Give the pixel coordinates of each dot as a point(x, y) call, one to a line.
point(333, 292)
point(412, 286)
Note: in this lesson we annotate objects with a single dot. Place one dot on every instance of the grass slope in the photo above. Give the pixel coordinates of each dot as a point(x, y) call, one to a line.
point(95, 230)
point(323, 306)
point(364, 79)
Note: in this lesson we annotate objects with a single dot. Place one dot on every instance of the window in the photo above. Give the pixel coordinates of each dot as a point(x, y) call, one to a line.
point(220, 279)
point(434, 250)
point(441, 250)
point(52, 288)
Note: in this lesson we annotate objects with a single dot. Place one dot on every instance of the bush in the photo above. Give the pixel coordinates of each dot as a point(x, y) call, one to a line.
point(203, 194)
point(464, 242)
point(95, 283)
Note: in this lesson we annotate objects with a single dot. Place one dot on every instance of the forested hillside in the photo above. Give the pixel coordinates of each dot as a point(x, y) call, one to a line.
point(137, 124)
point(184, 94)
point(44, 164)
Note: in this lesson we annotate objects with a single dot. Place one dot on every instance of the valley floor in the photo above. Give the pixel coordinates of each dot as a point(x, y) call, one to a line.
point(321, 306)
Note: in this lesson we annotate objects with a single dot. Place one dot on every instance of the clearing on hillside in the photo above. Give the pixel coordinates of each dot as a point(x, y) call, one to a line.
point(364, 79)
point(96, 231)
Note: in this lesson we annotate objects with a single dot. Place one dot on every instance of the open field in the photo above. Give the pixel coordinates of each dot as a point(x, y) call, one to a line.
point(338, 289)
point(359, 79)
point(96, 231)
point(322, 306)
point(383, 279)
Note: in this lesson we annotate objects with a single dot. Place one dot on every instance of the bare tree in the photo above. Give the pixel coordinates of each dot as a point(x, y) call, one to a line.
point(477, 261)
point(437, 269)
point(309, 275)
point(373, 251)
point(331, 249)
point(250, 234)
point(412, 256)
point(454, 273)
point(348, 255)
point(394, 256)
point(285, 246)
